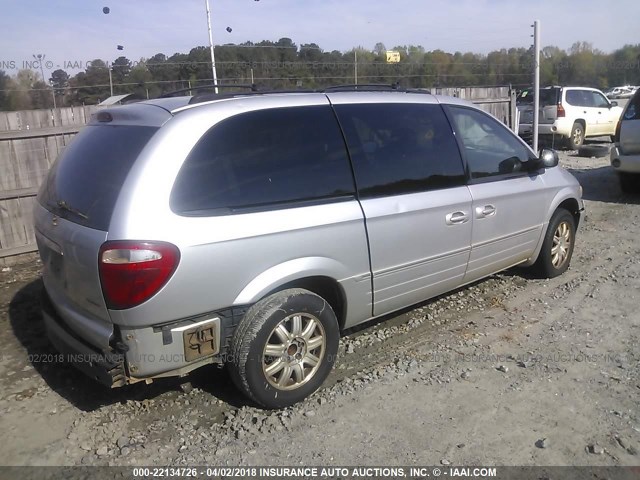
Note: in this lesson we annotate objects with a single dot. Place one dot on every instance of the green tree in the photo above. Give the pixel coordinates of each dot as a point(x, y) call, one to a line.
point(120, 70)
point(40, 94)
point(91, 86)
point(60, 82)
point(5, 81)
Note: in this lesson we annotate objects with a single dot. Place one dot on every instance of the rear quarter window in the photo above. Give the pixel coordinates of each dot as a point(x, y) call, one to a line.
point(578, 98)
point(265, 159)
point(85, 181)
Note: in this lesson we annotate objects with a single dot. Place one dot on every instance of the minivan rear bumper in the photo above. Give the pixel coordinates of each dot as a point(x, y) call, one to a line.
point(105, 367)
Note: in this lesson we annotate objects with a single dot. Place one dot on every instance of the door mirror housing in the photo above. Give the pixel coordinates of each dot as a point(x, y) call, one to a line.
point(548, 158)
point(613, 104)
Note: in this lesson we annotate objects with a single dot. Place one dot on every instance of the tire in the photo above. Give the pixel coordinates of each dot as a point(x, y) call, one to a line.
point(576, 139)
point(629, 182)
point(597, 151)
point(300, 330)
point(557, 247)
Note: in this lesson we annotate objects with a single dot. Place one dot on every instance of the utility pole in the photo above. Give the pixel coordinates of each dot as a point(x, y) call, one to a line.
point(53, 93)
point(110, 80)
point(40, 58)
point(355, 65)
point(536, 82)
point(213, 58)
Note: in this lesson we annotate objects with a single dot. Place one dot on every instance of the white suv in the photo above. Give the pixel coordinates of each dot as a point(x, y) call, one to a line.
point(570, 114)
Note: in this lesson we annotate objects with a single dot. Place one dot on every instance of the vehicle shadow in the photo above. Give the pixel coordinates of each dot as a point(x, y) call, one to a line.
point(602, 185)
point(83, 392)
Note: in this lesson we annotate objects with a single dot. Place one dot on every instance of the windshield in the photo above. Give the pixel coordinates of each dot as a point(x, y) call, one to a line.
point(84, 183)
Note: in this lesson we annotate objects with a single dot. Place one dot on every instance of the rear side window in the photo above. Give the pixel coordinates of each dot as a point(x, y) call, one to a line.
point(579, 98)
point(84, 183)
point(264, 158)
point(400, 148)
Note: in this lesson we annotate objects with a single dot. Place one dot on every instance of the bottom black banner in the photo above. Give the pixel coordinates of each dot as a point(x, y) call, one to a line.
point(339, 472)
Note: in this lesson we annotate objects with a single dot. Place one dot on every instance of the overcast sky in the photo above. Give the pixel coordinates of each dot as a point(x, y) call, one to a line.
point(78, 30)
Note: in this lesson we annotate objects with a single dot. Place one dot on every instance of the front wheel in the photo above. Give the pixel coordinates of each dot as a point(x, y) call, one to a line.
point(284, 348)
point(557, 247)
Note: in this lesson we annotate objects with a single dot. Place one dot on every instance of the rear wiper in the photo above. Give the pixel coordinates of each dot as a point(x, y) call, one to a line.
point(63, 205)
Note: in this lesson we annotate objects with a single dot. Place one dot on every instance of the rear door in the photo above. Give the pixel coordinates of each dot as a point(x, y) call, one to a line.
point(581, 106)
point(508, 203)
point(607, 116)
point(72, 217)
point(411, 185)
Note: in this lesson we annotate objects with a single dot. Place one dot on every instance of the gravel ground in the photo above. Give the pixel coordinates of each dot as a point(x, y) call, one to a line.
point(509, 371)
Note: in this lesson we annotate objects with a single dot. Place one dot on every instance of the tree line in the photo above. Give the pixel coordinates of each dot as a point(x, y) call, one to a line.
point(285, 65)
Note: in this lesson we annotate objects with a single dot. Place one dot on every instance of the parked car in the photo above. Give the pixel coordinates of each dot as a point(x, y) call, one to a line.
point(250, 230)
point(625, 155)
point(568, 115)
point(621, 92)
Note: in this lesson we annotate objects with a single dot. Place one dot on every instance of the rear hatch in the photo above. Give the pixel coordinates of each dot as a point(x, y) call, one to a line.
point(75, 204)
point(629, 134)
point(548, 111)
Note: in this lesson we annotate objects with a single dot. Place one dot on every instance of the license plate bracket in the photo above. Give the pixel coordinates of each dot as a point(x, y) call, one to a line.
point(201, 339)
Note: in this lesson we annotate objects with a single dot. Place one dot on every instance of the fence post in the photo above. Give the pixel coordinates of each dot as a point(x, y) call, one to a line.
point(514, 110)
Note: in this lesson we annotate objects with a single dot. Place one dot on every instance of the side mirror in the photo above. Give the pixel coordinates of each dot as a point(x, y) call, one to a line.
point(548, 158)
point(613, 104)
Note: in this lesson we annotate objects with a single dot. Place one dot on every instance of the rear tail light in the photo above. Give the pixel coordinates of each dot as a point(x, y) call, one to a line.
point(132, 272)
point(561, 111)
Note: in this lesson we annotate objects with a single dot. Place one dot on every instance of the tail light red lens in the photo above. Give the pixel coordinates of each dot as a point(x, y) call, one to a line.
point(131, 272)
point(561, 112)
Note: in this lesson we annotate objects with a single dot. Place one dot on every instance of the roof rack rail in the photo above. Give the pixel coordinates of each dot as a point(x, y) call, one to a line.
point(363, 86)
point(374, 87)
point(206, 97)
point(251, 86)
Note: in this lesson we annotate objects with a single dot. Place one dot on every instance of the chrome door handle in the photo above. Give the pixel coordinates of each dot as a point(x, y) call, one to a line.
point(456, 218)
point(486, 211)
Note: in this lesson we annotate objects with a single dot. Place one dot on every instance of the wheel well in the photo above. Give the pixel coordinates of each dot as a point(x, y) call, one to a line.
point(571, 204)
point(326, 287)
point(584, 125)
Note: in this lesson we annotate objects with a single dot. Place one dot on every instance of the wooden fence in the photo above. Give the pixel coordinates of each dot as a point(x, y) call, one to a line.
point(498, 101)
point(31, 140)
point(29, 143)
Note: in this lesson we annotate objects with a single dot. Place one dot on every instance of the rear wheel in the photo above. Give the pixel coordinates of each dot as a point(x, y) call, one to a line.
point(557, 247)
point(284, 348)
point(576, 139)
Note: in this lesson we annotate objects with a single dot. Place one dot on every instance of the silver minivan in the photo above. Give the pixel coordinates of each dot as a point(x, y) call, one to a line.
point(249, 230)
